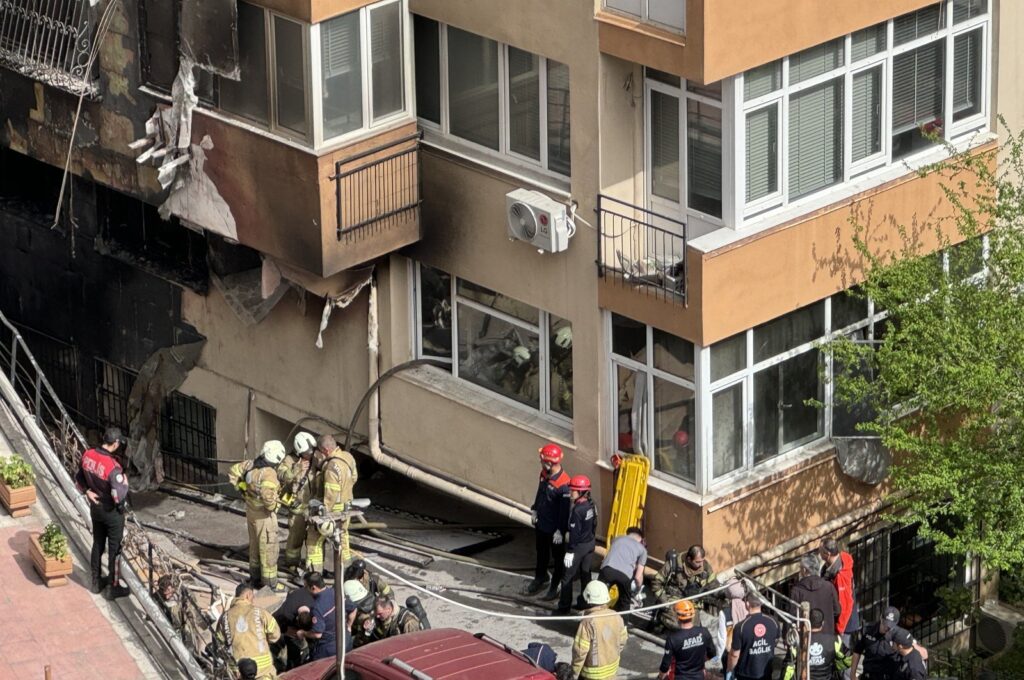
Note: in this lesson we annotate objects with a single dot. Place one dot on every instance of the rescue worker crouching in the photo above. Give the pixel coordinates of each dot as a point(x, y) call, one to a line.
point(337, 480)
point(550, 515)
point(580, 541)
point(600, 637)
point(101, 478)
point(373, 583)
point(364, 621)
point(296, 475)
point(257, 481)
point(683, 576)
point(392, 620)
point(249, 631)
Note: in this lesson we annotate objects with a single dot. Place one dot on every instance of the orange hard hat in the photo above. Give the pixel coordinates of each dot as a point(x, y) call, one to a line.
point(684, 610)
point(579, 483)
point(551, 453)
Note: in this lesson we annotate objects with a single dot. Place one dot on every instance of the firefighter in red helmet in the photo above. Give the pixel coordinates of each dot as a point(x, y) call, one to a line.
point(579, 542)
point(550, 512)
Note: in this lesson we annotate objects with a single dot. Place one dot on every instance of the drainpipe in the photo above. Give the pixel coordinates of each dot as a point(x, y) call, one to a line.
point(495, 503)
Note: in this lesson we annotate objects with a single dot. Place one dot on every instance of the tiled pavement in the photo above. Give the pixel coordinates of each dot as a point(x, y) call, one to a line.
point(78, 634)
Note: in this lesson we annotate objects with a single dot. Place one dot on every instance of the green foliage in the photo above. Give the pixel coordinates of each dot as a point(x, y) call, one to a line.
point(945, 385)
point(1011, 588)
point(54, 542)
point(16, 472)
point(957, 601)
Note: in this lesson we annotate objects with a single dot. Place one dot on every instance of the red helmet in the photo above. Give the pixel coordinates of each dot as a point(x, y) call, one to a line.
point(579, 483)
point(551, 453)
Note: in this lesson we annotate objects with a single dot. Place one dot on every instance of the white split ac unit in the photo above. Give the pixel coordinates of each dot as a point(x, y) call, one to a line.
point(996, 627)
point(540, 221)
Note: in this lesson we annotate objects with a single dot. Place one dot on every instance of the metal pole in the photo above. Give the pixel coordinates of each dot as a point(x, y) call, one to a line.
point(341, 621)
point(150, 544)
point(803, 666)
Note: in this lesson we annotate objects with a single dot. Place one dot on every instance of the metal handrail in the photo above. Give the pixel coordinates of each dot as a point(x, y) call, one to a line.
point(396, 186)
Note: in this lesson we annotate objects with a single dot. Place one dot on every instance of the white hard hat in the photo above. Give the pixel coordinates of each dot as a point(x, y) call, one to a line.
point(520, 355)
point(355, 591)
point(563, 337)
point(272, 451)
point(326, 528)
point(596, 593)
point(304, 443)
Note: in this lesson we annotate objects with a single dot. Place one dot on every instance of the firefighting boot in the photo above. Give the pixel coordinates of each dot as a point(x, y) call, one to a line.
point(535, 586)
point(552, 593)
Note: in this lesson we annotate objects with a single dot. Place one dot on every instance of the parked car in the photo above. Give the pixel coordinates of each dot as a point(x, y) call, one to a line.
point(438, 654)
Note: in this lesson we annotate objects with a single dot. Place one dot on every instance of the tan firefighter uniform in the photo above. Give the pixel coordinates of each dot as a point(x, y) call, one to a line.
point(296, 475)
point(598, 645)
point(260, 515)
point(338, 476)
point(251, 631)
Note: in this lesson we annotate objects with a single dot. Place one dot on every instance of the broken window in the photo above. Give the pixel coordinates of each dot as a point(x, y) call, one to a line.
point(50, 42)
point(497, 342)
point(158, 49)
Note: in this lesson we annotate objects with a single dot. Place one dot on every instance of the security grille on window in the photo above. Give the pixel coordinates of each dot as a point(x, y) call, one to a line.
point(508, 347)
point(50, 42)
point(498, 97)
point(924, 74)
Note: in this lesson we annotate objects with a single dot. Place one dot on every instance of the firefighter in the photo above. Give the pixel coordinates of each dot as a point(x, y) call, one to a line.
point(682, 576)
point(249, 631)
point(579, 542)
point(373, 583)
point(600, 637)
point(392, 621)
point(102, 480)
point(363, 623)
point(550, 515)
point(257, 481)
point(688, 649)
point(338, 475)
point(296, 475)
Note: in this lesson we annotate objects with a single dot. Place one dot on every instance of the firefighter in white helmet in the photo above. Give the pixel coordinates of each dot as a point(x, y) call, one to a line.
point(257, 481)
point(297, 473)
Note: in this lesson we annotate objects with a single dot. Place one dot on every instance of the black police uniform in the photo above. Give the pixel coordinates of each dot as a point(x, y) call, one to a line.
point(754, 638)
point(581, 543)
point(689, 649)
point(878, 654)
point(911, 667)
point(100, 473)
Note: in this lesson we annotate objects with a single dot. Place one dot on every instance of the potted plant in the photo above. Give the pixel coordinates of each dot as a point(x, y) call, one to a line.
point(16, 490)
point(51, 556)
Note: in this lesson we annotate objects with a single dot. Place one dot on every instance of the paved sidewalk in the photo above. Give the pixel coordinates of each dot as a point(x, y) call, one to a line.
point(76, 633)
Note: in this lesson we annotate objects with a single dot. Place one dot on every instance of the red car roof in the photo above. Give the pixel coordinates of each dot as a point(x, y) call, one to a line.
point(443, 654)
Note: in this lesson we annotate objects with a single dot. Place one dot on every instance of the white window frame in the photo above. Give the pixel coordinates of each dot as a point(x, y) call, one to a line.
point(682, 96)
point(645, 14)
point(542, 329)
point(504, 151)
point(951, 132)
point(650, 373)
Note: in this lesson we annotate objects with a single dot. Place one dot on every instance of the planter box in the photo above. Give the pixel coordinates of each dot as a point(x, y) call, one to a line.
point(18, 501)
point(53, 572)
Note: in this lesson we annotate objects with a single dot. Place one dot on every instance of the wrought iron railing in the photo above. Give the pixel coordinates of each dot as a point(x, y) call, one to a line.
point(378, 189)
point(642, 249)
point(50, 41)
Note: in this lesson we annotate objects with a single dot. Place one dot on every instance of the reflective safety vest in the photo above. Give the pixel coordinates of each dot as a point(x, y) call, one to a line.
point(252, 630)
point(260, 489)
point(339, 475)
point(599, 641)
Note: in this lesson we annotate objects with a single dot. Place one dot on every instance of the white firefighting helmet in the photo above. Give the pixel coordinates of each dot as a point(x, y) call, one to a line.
point(273, 451)
point(304, 443)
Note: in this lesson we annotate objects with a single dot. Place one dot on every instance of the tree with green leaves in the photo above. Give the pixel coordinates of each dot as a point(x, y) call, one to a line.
point(943, 384)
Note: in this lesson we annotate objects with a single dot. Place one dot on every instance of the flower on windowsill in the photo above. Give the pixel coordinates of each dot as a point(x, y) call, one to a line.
point(934, 128)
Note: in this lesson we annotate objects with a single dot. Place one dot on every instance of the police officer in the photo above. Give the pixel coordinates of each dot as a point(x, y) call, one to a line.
point(392, 621)
point(338, 476)
point(875, 647)
point(102, 480)
point(682, 576)
point(579, 542)
point(550, 515)
point(689, 648)
point(373, 583)
point(296, 475)
point(600, 637)
point(250, 630)
point(257, 481)
point(910, 664)
point(753, 643)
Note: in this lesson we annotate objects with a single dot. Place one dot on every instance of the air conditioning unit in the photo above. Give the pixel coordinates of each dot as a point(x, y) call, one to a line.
point(996, 627)
point(540, 221)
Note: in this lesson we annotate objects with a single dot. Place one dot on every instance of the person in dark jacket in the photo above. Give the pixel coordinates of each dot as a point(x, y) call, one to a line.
point(101, 478)
point(814, 589)
point(876, 648)
point(580, 541)
point(910, 664)
point(550, 515)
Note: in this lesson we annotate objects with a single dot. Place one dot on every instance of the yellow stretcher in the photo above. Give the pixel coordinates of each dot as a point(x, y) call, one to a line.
point(628, 502)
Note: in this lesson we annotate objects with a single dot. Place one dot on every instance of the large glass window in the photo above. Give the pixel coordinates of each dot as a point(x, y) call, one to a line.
point(671, 13)
point(497, 342)
point(497, 96)
point(250, 96)
point(387, 57)
point(836, 97)
point(342, 75)
point(290, 74)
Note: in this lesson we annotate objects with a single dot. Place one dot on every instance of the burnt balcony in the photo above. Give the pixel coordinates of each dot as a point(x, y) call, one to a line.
point(641, 250)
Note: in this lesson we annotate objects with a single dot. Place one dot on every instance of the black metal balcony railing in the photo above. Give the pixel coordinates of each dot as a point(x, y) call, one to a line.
point(641, 248)
point(381, 192)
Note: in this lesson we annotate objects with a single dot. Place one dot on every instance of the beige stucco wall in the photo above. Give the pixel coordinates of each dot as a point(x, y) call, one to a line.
point(1008, 99)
